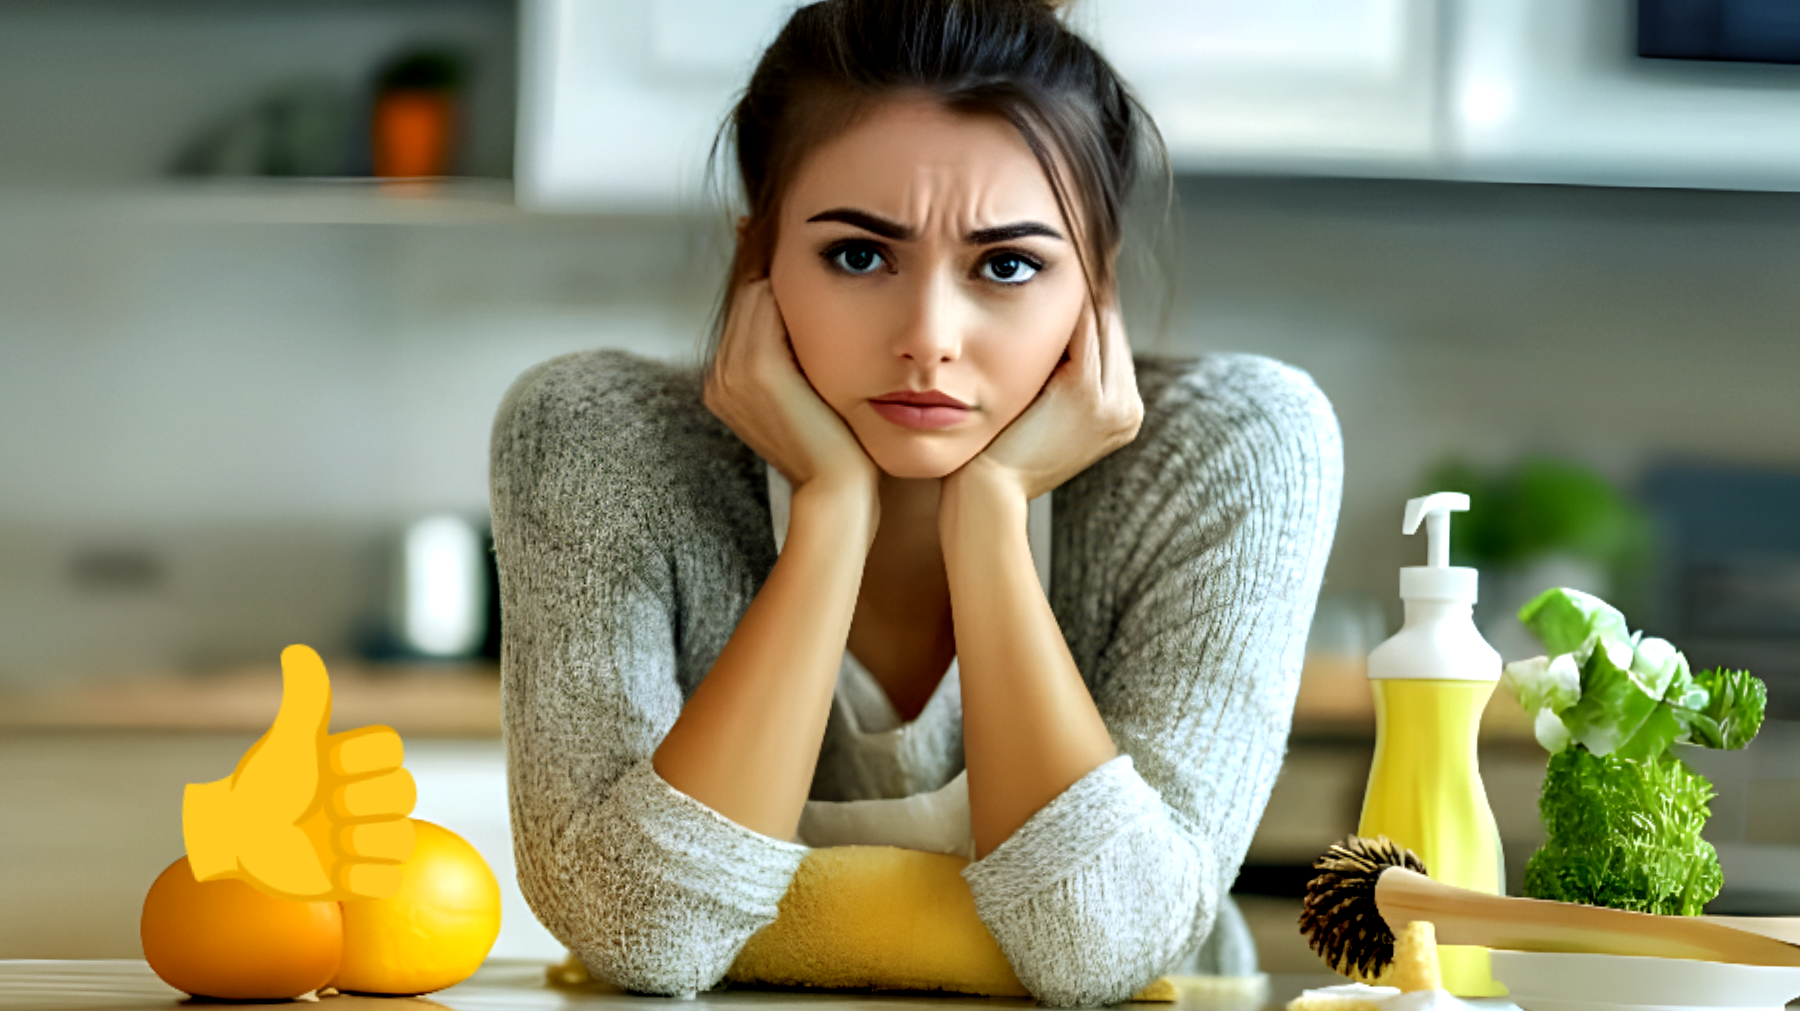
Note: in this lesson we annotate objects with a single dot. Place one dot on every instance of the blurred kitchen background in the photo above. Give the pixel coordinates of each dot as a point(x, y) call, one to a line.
point(267, 267)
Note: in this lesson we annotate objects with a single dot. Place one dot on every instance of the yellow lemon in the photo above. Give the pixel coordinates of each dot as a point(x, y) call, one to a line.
point(434, 933)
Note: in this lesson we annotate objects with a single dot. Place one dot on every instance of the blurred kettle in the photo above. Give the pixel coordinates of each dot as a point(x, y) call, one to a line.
point(443, 593)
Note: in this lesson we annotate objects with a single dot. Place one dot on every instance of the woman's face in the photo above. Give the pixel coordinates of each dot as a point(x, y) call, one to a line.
point(920, 260)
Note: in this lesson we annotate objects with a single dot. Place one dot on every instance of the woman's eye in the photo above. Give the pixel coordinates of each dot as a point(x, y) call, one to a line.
point(1009, 268)
point(855, 259)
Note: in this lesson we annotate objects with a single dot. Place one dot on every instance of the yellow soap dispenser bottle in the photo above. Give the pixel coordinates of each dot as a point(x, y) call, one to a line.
point(1431, 683)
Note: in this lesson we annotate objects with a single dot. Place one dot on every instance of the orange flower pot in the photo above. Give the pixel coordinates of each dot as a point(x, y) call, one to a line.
point(413, 131)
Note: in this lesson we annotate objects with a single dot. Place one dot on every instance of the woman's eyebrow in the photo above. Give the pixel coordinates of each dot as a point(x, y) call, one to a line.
point(1007, 233)
point(867, 222)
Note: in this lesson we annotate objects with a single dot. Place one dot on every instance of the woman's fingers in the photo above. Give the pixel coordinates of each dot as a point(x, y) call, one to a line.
point(759, 343)
point(1109, 340)
point(1115, 400)
point(1077, 381)
point(1121, 372)
point(1083, 346)
point(750, 307)
point(731, 343)
point(1123, 376)
point(1096, 343)
point(1103, 354)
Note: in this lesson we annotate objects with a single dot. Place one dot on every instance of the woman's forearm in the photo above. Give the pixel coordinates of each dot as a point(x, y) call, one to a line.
point(1030, 729)
point(747, 739)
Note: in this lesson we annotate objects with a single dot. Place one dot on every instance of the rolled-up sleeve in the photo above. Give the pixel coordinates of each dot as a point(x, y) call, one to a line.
point(648, 887)
point(1198, 560)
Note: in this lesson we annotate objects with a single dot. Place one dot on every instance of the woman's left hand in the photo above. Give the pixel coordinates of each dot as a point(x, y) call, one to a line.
point(1088, 408)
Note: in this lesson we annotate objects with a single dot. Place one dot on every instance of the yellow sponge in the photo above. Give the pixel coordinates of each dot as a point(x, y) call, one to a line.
point(1415, 959)
point(882, 917)
point(885, 918)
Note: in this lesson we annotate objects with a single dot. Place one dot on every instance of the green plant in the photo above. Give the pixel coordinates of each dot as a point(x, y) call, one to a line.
point(1621, 813)
point(1540, 507)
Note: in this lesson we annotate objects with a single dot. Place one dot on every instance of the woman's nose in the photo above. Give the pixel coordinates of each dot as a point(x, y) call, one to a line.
point(932, 332)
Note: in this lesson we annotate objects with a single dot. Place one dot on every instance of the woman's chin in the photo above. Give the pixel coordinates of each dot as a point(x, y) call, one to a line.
point(921, 460)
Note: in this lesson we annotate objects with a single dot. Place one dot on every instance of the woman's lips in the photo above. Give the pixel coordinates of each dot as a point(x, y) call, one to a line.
point(926, 410)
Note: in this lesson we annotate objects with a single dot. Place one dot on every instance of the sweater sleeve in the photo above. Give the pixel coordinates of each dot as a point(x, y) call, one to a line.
point(648, 887)
point(1201, 556)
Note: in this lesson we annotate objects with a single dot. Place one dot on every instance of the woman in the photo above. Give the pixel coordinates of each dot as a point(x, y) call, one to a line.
point(744, 603)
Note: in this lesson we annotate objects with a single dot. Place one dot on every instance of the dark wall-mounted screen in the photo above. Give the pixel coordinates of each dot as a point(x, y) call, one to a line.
point(1754, 31)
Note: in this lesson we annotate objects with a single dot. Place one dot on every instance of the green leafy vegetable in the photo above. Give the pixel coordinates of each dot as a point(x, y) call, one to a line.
point(1612, 691)
point(1732, 712)
point(1564, 620)
point(1652, 737)
point(1613, 704)
point(1624, 833)
point(1623, 815)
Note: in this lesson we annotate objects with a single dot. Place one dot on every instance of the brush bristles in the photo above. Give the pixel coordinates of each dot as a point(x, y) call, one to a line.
point(1340, 919)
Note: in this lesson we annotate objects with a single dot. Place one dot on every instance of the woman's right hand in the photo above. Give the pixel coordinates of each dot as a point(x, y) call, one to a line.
point(757, 389)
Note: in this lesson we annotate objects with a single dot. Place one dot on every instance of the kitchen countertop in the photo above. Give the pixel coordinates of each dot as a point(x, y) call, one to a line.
point(452, 699)
point(462, 699)
point(500, 985)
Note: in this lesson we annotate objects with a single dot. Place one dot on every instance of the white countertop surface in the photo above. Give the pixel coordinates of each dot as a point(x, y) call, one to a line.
point(512, 985)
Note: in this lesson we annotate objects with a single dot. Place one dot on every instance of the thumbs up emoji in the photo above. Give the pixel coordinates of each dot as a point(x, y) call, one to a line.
point(308, 815)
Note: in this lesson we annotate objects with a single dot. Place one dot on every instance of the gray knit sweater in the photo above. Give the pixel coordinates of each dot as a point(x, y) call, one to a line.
point(632, 530)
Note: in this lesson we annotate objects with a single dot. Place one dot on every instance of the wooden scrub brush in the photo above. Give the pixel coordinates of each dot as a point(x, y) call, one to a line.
point(1368, 887)
point(1340, 918)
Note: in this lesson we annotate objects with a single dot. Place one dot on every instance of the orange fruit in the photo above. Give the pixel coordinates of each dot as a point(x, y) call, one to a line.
point(434, 933)
point(226, 939)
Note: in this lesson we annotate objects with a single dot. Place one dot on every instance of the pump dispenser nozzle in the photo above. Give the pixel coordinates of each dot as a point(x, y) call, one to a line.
point(1436, 510)
point(1437, 579)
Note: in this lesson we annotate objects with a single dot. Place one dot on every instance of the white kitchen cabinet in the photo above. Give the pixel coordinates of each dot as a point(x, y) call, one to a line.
point(1296, 86)
point(621, 99)
point(1554, 91)
point(1546, 91)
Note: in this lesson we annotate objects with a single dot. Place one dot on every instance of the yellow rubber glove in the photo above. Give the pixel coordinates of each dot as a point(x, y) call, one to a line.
point(308, 815)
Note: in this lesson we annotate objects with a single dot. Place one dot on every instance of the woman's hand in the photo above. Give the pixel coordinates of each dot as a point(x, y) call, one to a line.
point(756, 388)
point(1089, 408)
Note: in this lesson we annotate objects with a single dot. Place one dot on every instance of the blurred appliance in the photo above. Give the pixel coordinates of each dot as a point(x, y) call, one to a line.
point(1750, 31)
point(443, 593)
point(1731, 571)
point(444, 588)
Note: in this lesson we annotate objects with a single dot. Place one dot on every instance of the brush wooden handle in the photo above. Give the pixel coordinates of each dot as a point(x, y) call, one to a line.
point(1465, 916)
point(1781, 928)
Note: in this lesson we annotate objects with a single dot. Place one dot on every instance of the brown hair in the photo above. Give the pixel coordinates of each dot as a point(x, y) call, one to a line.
point(1012, 58)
